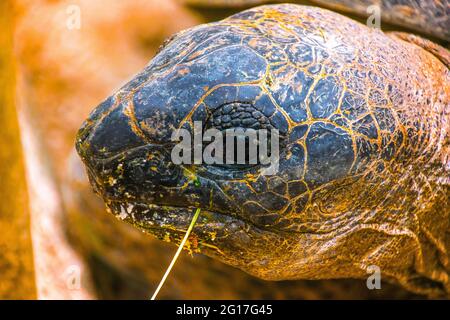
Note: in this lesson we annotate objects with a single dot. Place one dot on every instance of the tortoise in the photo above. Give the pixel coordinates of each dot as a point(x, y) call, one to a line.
point(118, 261)
point(363, 120)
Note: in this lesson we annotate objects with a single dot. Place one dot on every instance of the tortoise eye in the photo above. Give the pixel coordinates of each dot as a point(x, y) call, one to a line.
point(242, 151)
point(247, 136)
point(239, 148)
point(238, 121)
point(238, 115)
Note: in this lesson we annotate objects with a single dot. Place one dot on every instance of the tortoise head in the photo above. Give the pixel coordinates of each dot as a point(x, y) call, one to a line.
point(301, 221)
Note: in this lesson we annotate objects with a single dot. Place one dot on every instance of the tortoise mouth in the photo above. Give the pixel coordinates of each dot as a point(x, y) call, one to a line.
point(170, 223)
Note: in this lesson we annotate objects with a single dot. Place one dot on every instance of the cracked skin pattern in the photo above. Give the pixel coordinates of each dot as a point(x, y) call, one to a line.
point(426, 16)
point(364, 161)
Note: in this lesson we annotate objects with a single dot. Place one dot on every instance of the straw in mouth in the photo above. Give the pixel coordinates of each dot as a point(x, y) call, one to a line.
point(175, 257)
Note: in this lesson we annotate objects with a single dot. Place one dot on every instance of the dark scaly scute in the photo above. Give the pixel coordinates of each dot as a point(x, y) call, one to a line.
point(330, 153)
point(223, 67)
point(291, 93)
point(325, 100)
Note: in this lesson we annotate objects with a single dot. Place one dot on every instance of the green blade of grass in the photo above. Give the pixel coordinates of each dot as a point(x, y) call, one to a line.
point(175, 257)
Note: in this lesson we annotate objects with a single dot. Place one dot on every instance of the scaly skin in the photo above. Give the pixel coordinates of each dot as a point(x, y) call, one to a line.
point(364, 123)
point(127, 264)
point(426, 16)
